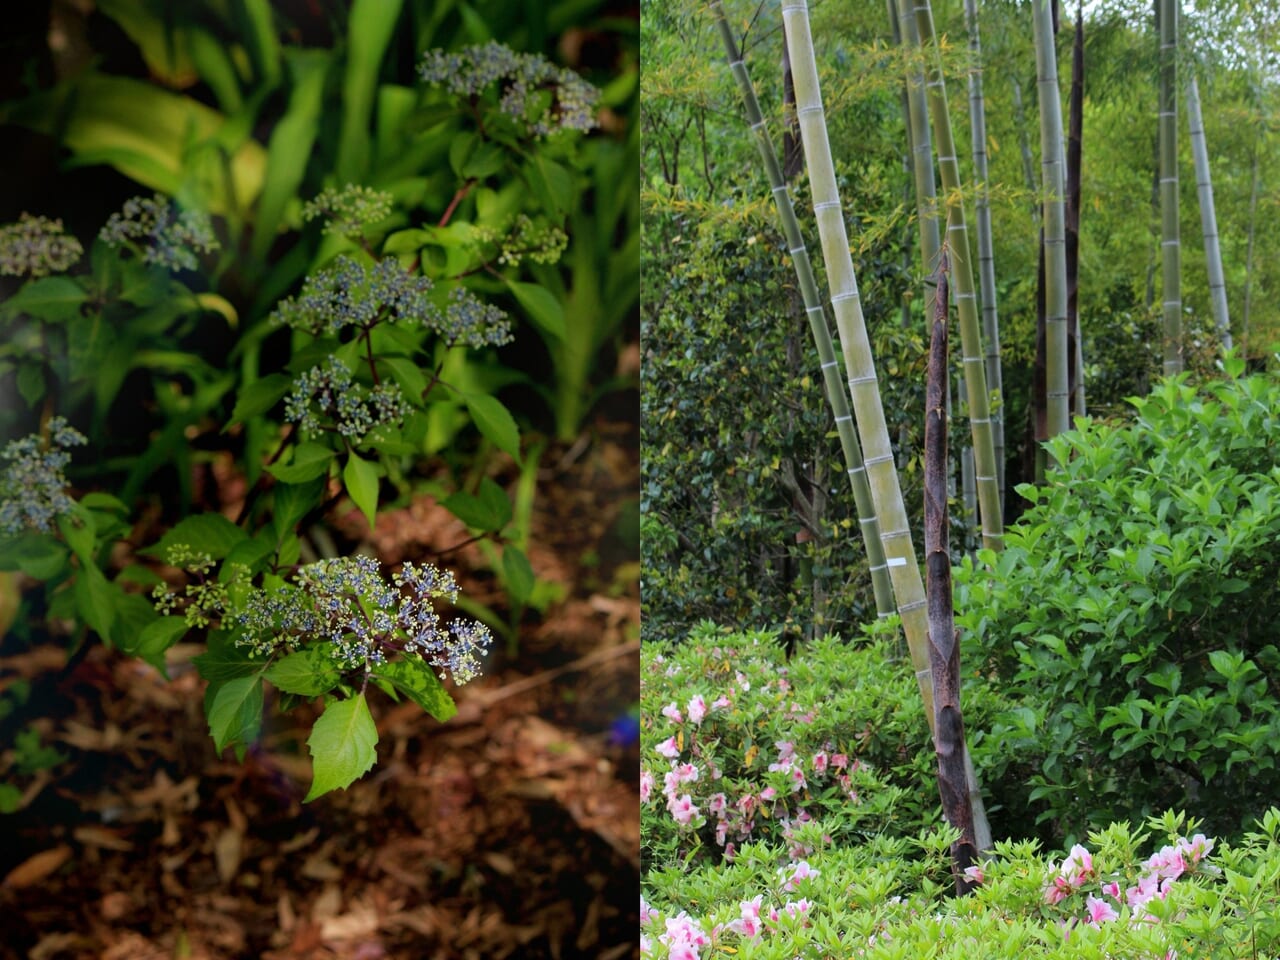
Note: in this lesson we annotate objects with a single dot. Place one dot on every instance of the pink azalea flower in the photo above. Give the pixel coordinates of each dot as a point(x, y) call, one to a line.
point(750, 922)
point(697, 709)
point(686, 772)
point(768, 793)
point(717, 804)
point(786, 750)
point(795, 908)
point(646, 785)
point(839, 761)
point(802, 871)
point(668, 748)
point(798, 781)
point(647, 913)
point(1197, 848)
point(743, 683)
point(646, 946)
point(1112, 890)
point(721, 703)
point(1147, 888)
point(682, 809)
point(1099, 911)
point(820, 762)
point(974, 874)
point(1078, 866)
point(673, 712)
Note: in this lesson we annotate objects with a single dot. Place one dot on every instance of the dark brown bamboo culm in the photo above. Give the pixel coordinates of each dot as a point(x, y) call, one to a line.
point(944, 648)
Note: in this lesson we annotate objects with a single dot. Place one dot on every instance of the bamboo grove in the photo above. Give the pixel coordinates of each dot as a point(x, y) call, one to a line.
point(1066, 281)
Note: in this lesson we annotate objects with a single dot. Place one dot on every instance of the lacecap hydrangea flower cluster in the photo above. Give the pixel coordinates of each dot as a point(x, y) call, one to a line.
point(519, 78)
point(329, 394)
point(161, 233)
point(33, 487)
point(36, 247)
point(346, 602)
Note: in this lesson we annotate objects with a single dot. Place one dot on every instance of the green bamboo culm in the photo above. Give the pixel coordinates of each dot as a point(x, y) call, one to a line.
point(904, 570)
point(1052, 159)
point(966, 299)
point(1170, 241)
point(986, 244)
point(835, 389)
point(921, 144)
point(1208, 216)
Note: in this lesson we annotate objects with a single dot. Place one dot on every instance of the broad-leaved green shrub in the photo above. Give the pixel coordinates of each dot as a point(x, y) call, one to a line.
point(1132, 618)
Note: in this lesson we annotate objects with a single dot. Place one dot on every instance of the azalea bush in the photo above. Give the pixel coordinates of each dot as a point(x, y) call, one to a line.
point(1128, 629)
point(368, 375)
point(1161, 892)
point(740, 746)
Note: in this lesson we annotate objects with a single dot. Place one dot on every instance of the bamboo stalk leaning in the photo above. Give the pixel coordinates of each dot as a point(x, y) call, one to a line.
point(1208, 216)
point(835, 389)
point(972, 360)
point(895, 533)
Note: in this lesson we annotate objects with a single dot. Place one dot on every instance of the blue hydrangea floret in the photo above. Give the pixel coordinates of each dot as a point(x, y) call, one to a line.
point(33, 486)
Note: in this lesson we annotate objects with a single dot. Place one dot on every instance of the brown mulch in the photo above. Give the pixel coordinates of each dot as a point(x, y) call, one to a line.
point(510, 831)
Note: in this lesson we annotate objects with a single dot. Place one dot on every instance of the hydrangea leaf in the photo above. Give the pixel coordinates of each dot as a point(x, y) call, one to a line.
point(495, 422)
point(517, 573)
point(35, 554)
point(417, 681)
point(309, 672)
point(224, 660)
point(210, 533)
point(360, 477)
point(310, 460)
point(236, 712)
point(260, 396)
point(342, 745)
point(95, 601)
point(154, 639)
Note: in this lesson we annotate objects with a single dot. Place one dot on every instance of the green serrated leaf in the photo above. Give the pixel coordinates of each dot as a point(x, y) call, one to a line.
point(517, 573)
point(310, 461)
point(309, 672)
point(472, 511)
point(95, 601)
point(416, 680)
point(342, 745)
point(260, 396)
point(78, 529)
point(52, 299)
point(154, 639)
point(224, 660)
point(360, 477)
point(210, 533)
point(236, 712)
point(494, 421)
point(542, 306)
point(247, 553)
point(35, 554)
point(292, 502)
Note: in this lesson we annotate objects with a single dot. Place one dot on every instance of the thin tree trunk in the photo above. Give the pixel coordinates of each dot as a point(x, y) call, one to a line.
point(986, 245)
point(975, 377)
point(1057, 359)
point(944, 646)
point(1170, 242)
point(1208, 216)
point(908, 587)
point(836, 396)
